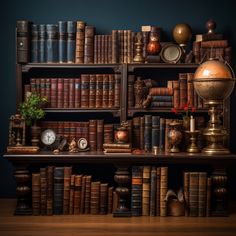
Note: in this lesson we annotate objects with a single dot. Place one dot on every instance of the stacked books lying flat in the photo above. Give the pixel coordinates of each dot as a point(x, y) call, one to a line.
point(119, 148)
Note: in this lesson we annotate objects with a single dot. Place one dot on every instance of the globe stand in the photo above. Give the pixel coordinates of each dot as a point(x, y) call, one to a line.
point(215, 134)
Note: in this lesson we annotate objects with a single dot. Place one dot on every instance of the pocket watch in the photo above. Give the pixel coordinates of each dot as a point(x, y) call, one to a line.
point(48, 137)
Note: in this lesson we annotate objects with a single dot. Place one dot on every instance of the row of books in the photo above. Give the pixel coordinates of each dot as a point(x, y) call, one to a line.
point(95, 131)
point(88, 91)
point(151, 131)
point(149, 192)
point(72, 42)
point(56, 190)
point(176, 94)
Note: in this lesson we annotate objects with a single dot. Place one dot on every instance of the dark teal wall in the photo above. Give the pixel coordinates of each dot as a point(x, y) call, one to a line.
point(105, 15)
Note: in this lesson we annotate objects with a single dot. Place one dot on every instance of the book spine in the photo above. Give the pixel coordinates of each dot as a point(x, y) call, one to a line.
point(60, 93)
point(80, 38)
point(136, 132)
point(77, 194)
point(108, 133)
point(158, 191)
point(77, 92)
point(202, 193)
point(36, 195)
point(85, 90)
point(82, 203)
point(131, 79)
point(109, 52)
point(163, 190)
point(215, 44)
point(146, 191)
point(93, 135)
point(23, 41)
point(117, 90)
point(161, 104)
point(71, 93)
point(193, 193)
point(50, 174)
point(53, 97)
point(62, 50)
point(110, 199)
point(71, 33)
point(89, 44)
point(66, 194)
point(99, 90)
point(105, 91)
point(51, 43)
point(95, 198)
point(87, 198)
point(66, 93)
point(58, 190)
point(92, 91)
point(42, 43)
point(96, 50)
point(141, 146)
point(103, 199)
point(145, 36)
point(136, 190)
point(186, 192)
point(153, 191)
point(183, 89)
point(114, 46)
point(147, 133)
point(34, 43)
point(208, 199)
point(155, 131)
point(190, 89)
point(72, 193)
point(100, 124)
point(42, 87)
point(155, 91)
point(111, 92)
point(43, 197)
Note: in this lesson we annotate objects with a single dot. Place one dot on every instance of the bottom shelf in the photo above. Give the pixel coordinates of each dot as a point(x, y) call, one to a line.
point(98, 225)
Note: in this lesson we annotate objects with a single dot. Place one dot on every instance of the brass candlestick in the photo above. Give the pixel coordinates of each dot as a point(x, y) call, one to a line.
point(193, 148)
point(138, 58)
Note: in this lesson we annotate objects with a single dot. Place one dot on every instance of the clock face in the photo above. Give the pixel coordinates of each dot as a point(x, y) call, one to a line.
point(48, 137)
point(82, 143)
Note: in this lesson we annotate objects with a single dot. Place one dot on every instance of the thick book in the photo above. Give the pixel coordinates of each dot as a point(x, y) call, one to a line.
point(77, 194)
point(117, 90)
point(89, 44)
point(99, 90)
point(95, 198)
point(50, 174)
point(111, 92)
point(103, 204)
point(93, 135)
point(105, 91)
point(80, 36)
point(23, 41)
point(34, 43)
point(163, 190)
point(66, 194)
point(71, 32)
point(51, 43)
point(202, 193)
point(43, 192)
point(182, 89)
point(85, 78)
point(146, 191)
point(62, 41)
point(193, 193)
point(115, 46)
point(155, 131)
point(147, 133)
point(153, 191)
point(87, 197)
point(100, 134)
point(71, 93)
point(92, 91)
point(42, 43)
point(77, 92)
point(36, 194)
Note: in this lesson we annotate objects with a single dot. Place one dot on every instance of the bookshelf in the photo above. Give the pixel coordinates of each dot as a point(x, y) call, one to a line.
point(217, 165)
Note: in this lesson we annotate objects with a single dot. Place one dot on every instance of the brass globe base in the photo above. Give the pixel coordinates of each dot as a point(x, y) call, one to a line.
point(215, 150)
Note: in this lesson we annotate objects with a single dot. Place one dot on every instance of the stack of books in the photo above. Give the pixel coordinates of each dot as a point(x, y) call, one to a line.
point(117, 148)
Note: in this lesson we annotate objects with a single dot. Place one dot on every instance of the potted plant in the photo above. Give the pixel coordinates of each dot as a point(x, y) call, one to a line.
point(32, 111)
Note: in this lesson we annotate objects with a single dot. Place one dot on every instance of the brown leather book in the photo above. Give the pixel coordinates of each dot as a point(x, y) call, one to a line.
point(36, 195)
point(43, 195)
point(131, 79)
point(105, 91)
point(176, 94)
point(72, 192)
point(71, 93)
point(100, 128)
point(53, 97)
point(77, 92)
point(48, 90)
point(108, 133)
point(215, 44)
point(95, 198)
point(115, 46)
point(77, 194)
point(117, 90)
point(103, 206)
point(80, 38)
point(155, 91)
point(66, 195)
point(110, 199)
point(136, 132)
point(99, 90)
point(82, 203)
point(93, 135)
point(202, 193)
point(92, 91)
point(96, 49)
point(111, 92)
point(50, 170)
point(66, 86)
point(182, 89)
point(190, 95)
point(89, 44)
point(208, 198)
point(163, 190)
point(85, 90)
point(186, 192)
point(146, 191)
point(87, 198)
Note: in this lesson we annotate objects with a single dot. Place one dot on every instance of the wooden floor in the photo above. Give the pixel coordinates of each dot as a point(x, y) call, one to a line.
point(86, 225)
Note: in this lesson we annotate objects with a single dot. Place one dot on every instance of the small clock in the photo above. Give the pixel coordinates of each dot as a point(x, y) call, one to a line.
point(48, 137)
point(171, 53)
point(82, 144)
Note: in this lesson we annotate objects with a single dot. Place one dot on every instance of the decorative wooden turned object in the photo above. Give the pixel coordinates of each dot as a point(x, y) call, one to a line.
point(122, 178)
point(23, 192)
point(138, 58)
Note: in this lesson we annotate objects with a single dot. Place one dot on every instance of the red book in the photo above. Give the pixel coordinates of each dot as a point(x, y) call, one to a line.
point(66, 93)
point(53, 98)
point(85, 90)
point(99, 90)
point(93, 135)
point(60, 93)
point(105, 91)
point(77, 92)
point(48, 90)
point(92, 91)
point(71, 93)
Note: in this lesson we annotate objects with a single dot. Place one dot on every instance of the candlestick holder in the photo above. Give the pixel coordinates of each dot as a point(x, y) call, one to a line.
point(193, 148)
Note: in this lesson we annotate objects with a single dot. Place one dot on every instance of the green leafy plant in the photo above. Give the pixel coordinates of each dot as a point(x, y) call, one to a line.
point(32, 108)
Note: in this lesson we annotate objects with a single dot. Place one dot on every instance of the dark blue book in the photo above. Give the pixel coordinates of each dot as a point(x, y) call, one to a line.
point(162, 134)
point(162, 98)
point(147, 132)
point(35, 43)
point(62, 43)
point(42, 43)
point(58, 190)
point(136, 190)
point(155, 131)
point(161, 104)
point(153, 191)
point(71, 33)
point(52, 43)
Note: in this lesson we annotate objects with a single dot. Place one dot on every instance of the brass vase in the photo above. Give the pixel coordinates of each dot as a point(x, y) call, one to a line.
point(175, 136)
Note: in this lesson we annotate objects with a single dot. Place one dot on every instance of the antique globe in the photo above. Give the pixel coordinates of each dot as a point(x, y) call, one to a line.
point(214, 82)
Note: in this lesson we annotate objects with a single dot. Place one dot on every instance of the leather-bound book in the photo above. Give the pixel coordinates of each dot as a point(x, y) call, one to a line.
point(183, 89)
point(125, 46)
point(186, 192)
point(42, 87)
point(71, 93)
point(92, 91)
point(215, 44)
point(111, 92)
point(190, 89)
point(100, 134)
point(77, 92)
point(103, 199)
point(66, 194)
point(105, 91)
point(208, 199)
point(146, 191)
point(80, 38)
point(136, 190)
point(163, 190)
point(85, 90)
point(153, 190)
point(43, 197)
point(99, 90)
point(34, 43)
point(93, 135)
point(193, 193)
point(33, 85)
point(62, 41)
point(72, 193)
point(23, 41)
point(117, 90)
point(121, 46)
point(103, 45)
point(176, 94)
point(96, 49)
point(129, 47)
point(65, 93)
point(108, 133)
point(95, 198)
point(48, 90)
point(115, 45)
point(89, 44)
point(158, 191)
point(110, 199)
point(58, 190)
point(136, 132)
point(145, 36)
point(53, 98)
point(73, 126)
point(155, 91)
point(71, 31)
point(202, 194)
point(82, 203)
point(51, 43)
point(155, 131)
point(60, 96)
point(42, 43)
point(87, 198)
point(131, 79)
point(77, 194)
point(147, 133)
point(109, 53)
point(141, 146)
point(36, 195)
point(50, 173)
